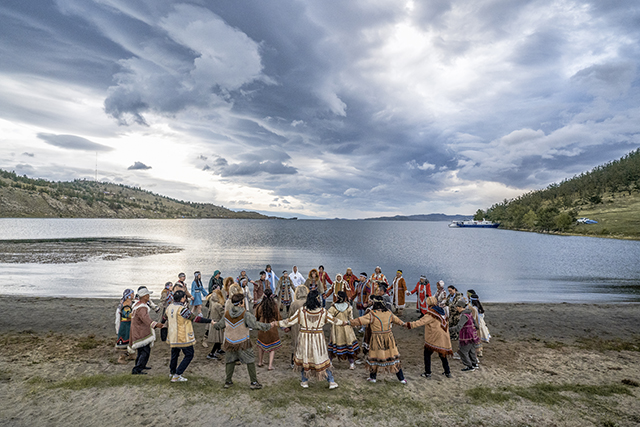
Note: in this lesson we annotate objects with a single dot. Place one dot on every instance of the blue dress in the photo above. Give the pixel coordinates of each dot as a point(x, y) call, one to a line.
point(197, 291)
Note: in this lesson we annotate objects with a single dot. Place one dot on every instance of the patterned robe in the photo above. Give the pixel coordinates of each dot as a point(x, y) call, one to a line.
point(311, 354)
point(424, 292)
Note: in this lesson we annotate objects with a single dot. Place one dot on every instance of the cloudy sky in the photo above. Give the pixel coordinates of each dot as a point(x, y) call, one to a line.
point(320, 108)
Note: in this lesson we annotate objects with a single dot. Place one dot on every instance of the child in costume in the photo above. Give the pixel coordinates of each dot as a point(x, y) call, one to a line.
point(123, 324)
point(180, 335)
point(311, 356)
point(268, 341)
point(383, 353)
point(237, 323)
point(343, 343)
point(436, 336)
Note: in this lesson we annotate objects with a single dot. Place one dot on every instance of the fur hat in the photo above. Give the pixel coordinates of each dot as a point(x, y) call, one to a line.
point(432, 301)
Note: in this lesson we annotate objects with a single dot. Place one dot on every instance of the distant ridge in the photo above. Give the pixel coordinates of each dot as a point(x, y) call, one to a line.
point(422, 217)
point(23, 197)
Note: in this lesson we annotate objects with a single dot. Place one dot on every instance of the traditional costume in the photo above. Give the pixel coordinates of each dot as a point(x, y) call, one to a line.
point(181, 337)
point(383, 353)
point(436, 335)
point(123, 324)
point(339, 286)
point(363, 292)
point(216, 312)
point(343, 343)
point(352, 280)
point(423, 288)
point(466, 330)
point(268, 340)
point(237, 323)
point(142, 335)
point(399, 290)
point(454, 316)
point(297, 304)
point(311, 355)
point(296, 277)
point(285, 291)
point(258, 291)
point(272, 278)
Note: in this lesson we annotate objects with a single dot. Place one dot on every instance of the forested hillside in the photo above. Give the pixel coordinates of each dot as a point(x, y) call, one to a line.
point(21, 196)
point(609, 194)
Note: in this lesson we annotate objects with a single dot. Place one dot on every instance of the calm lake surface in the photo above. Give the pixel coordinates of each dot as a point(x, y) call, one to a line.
point(501, 265)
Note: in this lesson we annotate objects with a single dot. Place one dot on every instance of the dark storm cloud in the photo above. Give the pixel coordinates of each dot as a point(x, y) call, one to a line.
point(28, 154)
point(72, 142)
point(375, 103)
point(251, 168)
point(138, 166)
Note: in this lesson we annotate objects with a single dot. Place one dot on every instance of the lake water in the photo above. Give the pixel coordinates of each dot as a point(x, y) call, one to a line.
point(501, 265)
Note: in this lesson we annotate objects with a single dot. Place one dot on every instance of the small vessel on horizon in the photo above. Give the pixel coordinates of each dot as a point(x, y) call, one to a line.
point(474, 224)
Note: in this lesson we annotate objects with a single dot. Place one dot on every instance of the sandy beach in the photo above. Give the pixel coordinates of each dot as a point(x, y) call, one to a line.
point(546, 365)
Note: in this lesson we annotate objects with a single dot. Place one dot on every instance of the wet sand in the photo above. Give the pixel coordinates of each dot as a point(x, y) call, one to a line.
point(58, 367)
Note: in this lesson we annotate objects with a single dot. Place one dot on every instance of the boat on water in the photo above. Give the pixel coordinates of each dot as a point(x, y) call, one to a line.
point(474, 224)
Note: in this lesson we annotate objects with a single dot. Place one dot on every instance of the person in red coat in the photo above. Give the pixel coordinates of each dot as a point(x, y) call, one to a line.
point(423, 288)
point(350, 278)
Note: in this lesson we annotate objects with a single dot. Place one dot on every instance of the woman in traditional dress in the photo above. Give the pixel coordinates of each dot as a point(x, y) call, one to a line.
point(228, 282)
point(198, 291)
point(399, 290)
point(441, 294)
point(123, 325)
point(284, 291)
point(343, 343)
point(454, 316)
point(339, 285)
point(313, 283)
point(297, 304)
point(478, 315)
point(383, 353)
point(268, 341)
point(216, 312)
point(311, 356)
point(377, 276)
point(436, 336)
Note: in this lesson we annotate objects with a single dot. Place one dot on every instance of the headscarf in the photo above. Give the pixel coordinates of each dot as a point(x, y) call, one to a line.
point(125, 296)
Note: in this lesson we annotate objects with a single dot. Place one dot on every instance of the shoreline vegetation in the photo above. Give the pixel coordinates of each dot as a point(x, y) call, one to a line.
point(23, 197)
point(608, 194)
point(546, 365)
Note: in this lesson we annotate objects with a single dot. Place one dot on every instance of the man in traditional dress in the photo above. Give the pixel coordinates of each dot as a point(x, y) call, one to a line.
point(351, 279)
point(399, 290)
point(259, 288)
point(324, 279)
point(423, 288)
point(142, 336)
point(181, 336)
point(363, 292)
point(378, 276)
point(237, 322)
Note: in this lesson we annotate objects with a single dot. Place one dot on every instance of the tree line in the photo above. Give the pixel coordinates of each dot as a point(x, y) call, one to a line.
point(555, 208)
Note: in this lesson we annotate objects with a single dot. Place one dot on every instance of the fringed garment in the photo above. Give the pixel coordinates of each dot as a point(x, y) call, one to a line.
point(436, 331)
point(343, 343)
point(383, 352)
point(311, 353)
point(268, 340)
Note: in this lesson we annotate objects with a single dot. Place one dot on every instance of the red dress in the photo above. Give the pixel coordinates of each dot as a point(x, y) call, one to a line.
point(424, 291)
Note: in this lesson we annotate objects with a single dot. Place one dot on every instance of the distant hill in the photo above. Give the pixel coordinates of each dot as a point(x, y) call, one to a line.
point(427, 217)
point(21, 196)
point(609, 194)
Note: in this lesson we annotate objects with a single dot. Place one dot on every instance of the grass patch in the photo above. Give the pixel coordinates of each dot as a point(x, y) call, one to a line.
point(617, 344)
point(544, 393)
point(481, 395)
point(88, 343)
point(365, 397)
